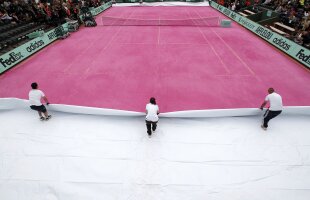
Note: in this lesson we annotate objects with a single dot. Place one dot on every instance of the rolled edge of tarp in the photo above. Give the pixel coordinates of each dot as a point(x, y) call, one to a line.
point(15, 103)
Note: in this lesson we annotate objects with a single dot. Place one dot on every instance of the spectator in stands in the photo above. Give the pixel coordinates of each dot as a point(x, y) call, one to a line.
point(293, 13)
point(227, 4)
point(58, 15)
point(48, 12)
point(298, 38)
point(233, 6)
point(306, 38)
point(66, 9)
point(238, 5)
point(5, 18)
point(306, 14)
point(292, 20)
point(74, 12)
point(305, 23)
point(53, 13)
point(6, 4)
point(247, 3)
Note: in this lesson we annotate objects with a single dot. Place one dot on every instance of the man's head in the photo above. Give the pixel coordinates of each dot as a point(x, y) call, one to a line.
point(153, 101)
point(34, 85)
point(270, 90)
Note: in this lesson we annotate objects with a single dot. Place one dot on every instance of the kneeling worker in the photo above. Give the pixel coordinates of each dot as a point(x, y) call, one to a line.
point(35, 96)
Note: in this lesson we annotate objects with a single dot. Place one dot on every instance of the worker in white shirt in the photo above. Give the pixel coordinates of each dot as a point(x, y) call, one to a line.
point(151, 119)
point(275, 108)
point(35, 96)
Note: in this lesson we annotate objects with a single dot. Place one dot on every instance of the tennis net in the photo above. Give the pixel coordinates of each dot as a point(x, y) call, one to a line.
point(114, 21)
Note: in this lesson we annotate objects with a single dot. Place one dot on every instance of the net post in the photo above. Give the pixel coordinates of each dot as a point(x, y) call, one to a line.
point(226, 23)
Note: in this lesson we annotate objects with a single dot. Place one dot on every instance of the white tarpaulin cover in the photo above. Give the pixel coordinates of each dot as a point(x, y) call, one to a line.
point(87, 157)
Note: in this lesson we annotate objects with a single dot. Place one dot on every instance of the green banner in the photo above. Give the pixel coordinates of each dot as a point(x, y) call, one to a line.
point(296, 51)
point(101, 8)
point(11, 58)
point(20, 53)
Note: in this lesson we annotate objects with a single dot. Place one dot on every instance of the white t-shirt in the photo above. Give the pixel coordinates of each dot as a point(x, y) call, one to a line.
point(275, 101)
point(35, 97)
point(152, 111)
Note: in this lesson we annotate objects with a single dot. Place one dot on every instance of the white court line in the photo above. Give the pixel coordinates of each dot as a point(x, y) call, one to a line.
point(235, 53)
point(158, 33)
point(217, 55)
point(109, 43)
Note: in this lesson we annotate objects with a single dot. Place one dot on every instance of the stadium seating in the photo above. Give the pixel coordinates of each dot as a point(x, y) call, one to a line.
point(14, 35)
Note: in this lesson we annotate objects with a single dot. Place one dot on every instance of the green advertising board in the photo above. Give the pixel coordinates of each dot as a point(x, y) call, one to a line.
point(101, 8)
point(299, 53)
point(11, 58)
point(15, 56)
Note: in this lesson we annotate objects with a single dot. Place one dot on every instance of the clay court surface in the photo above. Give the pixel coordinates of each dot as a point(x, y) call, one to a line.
point(184, 67)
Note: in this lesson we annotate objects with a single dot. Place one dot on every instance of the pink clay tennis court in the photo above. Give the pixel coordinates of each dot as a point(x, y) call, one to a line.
point(184, 67)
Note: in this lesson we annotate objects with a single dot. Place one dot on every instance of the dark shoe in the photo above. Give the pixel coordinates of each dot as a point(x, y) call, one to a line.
point(42, 118)
point(48, 117)
point(149, 132)
point(264, 128)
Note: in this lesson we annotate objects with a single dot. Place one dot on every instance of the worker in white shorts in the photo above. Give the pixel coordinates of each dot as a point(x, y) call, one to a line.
point(275, 101)
point(35, 96)
point(151, 119)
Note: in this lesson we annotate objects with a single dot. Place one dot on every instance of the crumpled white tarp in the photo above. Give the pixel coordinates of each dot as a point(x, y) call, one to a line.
point(78, 157)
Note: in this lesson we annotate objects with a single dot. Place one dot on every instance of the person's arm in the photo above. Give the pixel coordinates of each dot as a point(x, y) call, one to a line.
point(263, 105)
point(265, 102)
point(46, 100)
point(158, 111)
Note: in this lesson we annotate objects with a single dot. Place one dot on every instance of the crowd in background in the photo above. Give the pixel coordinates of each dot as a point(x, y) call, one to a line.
point(52, 12)
point(293, 13)
point(237, 4)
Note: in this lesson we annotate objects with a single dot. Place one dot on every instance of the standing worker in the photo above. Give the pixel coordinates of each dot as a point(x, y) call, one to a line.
point(275, 108)
point(152, 111)
point(35, 96)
